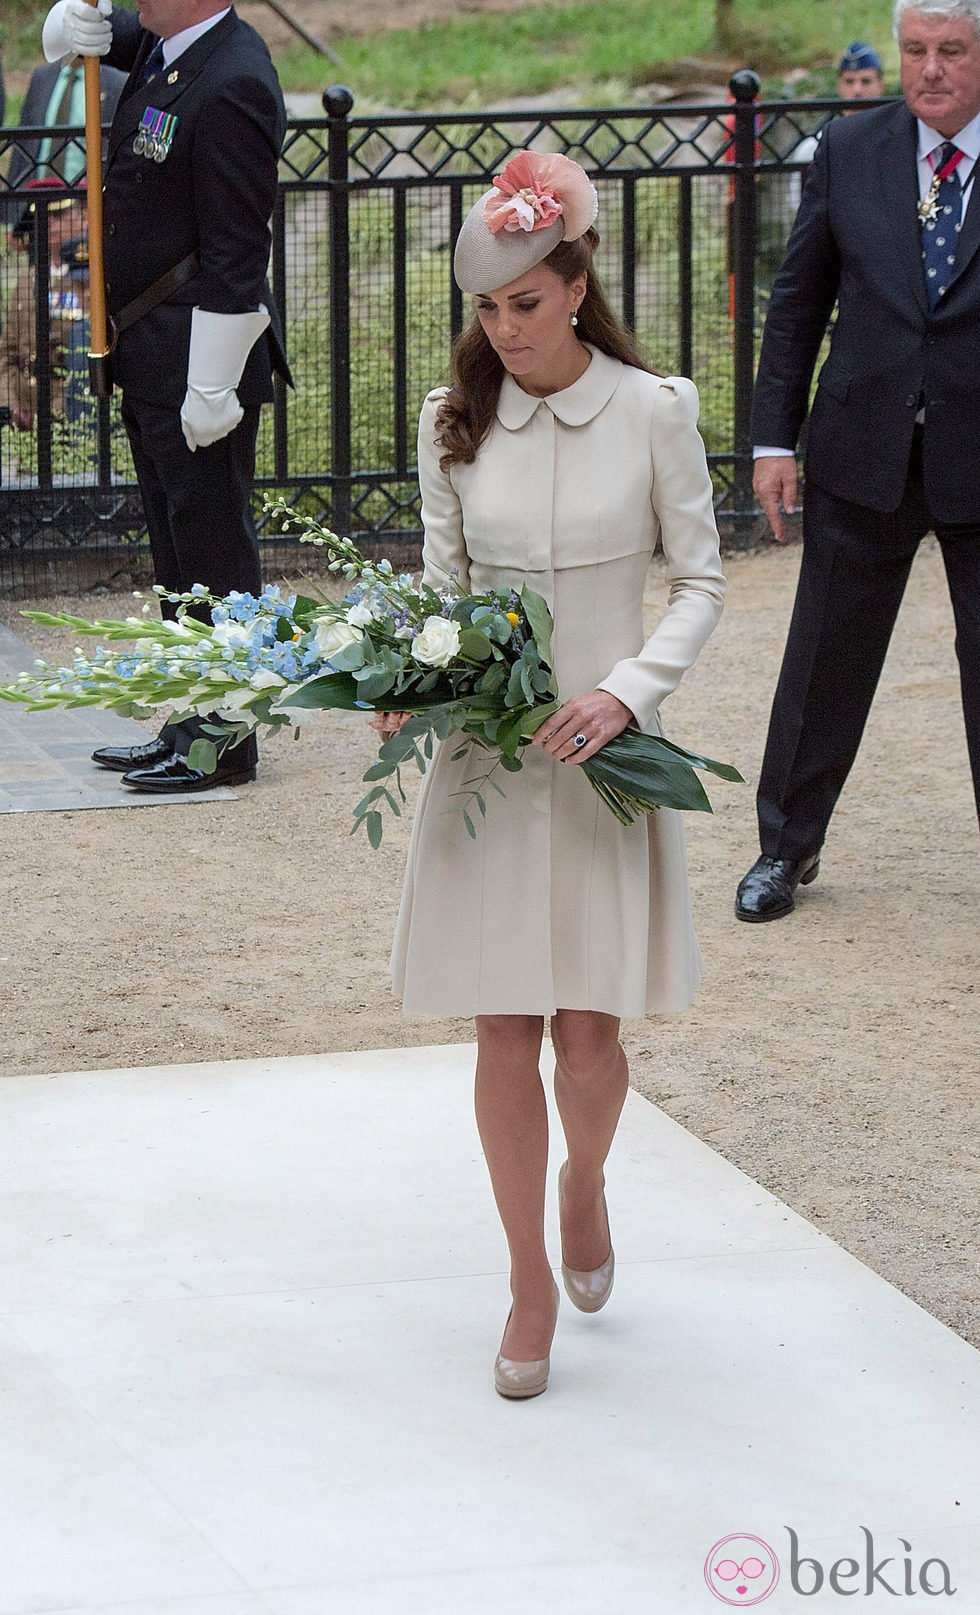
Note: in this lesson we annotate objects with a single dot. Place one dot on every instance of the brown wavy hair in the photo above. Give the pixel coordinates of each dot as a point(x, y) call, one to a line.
point(466, 414)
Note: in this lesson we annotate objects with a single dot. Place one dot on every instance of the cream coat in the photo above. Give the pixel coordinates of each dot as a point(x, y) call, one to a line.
point(555, 904)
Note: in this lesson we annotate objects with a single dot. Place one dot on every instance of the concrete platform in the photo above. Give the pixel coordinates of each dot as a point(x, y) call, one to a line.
point(46, 757)
point(247, 1322)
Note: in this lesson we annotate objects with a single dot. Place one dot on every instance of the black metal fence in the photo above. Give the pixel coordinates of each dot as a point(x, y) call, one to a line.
point(695, 205)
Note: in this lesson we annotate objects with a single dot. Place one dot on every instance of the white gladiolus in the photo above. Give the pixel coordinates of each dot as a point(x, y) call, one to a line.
point(231, 633)
point(235, 701)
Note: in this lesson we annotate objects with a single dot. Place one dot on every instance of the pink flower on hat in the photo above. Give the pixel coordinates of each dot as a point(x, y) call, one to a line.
point(535, 189)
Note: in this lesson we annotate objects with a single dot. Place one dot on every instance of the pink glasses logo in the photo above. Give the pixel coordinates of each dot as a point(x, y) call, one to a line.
point(741, 1570)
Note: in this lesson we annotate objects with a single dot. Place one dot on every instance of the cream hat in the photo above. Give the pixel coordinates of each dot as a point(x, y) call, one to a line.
point(538, 200)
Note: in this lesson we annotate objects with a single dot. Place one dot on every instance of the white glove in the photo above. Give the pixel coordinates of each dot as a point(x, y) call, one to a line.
point(220, 345)
point(74, 28)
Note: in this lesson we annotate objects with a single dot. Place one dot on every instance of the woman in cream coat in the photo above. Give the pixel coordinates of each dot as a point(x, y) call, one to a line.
point(558, 461)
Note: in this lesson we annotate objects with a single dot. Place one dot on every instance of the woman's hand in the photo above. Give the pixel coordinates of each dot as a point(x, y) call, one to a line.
point(597, 716)
point(388, 723)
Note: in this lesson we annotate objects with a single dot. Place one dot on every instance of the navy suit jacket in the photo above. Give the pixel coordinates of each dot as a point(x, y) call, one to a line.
point(212, 194)
point(856, 244)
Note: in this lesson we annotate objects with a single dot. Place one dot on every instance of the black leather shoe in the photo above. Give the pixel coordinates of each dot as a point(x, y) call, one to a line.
point(766, 892)
point(174, 774)
point(123, 758)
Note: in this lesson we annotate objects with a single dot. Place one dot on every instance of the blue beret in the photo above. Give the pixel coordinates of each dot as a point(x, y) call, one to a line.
point(859, 56)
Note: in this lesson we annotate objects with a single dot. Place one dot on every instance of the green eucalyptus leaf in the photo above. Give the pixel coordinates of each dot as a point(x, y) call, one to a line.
point(540, 621)
point(474, 645)
point(203, 754)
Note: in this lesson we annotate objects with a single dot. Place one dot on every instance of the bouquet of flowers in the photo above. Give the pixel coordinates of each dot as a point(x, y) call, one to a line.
point(472, 667)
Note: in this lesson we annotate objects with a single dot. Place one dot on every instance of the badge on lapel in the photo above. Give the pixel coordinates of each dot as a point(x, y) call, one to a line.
point(155, 135)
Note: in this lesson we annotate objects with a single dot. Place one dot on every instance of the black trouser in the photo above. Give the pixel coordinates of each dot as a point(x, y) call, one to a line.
point(855, 567)
point(199, 518)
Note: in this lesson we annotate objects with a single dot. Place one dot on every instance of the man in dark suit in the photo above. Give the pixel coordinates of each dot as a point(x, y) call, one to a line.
point(889, 231)
point(55, 98)
point(190, 184)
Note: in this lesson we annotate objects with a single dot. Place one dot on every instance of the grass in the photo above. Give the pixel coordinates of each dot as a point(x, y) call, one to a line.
point(604, 49)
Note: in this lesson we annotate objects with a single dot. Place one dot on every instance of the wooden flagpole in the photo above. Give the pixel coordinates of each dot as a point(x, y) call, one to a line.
point(99, 364)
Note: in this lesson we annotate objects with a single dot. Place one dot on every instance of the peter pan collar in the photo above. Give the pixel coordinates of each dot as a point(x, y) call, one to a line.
point(574, 405)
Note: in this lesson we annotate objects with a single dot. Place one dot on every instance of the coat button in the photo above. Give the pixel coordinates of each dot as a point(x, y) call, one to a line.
point(111, 230)
point(139, 179)
point(911, 401)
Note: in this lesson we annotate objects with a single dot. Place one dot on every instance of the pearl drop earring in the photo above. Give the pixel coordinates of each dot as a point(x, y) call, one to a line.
point(574, 319)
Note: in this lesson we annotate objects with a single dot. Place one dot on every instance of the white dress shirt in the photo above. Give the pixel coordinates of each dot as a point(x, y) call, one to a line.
point(177, 43)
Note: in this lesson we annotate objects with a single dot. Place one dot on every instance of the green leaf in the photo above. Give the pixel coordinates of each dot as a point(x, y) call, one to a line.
point(509, 735)
point(470, 826)
point(329, 691)
point(372, 683)
point(305, 609)
point(352, 656)
point(284, 629)
point(398, 748)
point(723, 770)
point(203, 754)
point(474, 645)
point(375, 829)
point(540, 621)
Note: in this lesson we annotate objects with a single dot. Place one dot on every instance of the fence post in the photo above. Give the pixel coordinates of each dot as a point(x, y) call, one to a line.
point(337, 103)
point(744, 87)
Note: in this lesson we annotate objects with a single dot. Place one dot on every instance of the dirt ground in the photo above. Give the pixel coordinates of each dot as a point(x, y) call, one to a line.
point(832, 1055)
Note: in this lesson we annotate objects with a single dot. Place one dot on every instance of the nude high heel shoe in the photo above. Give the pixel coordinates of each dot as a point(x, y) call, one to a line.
point(518, 1381)
point(588, 1291)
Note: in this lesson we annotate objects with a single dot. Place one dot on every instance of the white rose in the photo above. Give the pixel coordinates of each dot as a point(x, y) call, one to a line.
point(360, 615)
point(264, 679)
point(438, 642)
point(332, 637)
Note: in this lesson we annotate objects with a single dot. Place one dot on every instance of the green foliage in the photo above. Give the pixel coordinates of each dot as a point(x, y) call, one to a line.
point(602, 47)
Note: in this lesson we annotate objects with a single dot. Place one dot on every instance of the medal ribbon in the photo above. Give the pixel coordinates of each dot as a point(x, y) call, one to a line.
point(947, 168)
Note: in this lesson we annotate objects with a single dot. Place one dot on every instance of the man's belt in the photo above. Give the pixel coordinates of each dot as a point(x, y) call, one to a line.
point(157, 293)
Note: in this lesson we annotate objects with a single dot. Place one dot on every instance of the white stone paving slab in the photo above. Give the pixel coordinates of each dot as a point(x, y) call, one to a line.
point(248, 1313)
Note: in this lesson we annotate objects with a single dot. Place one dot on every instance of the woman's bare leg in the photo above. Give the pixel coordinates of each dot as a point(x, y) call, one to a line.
point(591, 1083)
point(512, 1119)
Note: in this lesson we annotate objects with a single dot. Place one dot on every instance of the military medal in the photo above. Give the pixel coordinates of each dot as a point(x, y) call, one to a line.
point(928, 208)
point(155, 134)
